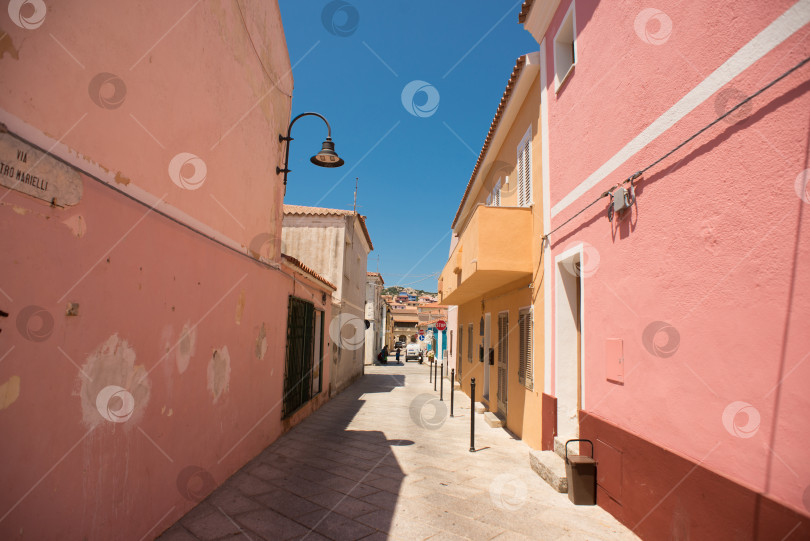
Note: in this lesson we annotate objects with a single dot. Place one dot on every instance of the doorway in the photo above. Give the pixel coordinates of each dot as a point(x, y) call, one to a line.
point(487, 345)
point(317, 356)
point(503, 362)
point(568, 343)
point(299, 355)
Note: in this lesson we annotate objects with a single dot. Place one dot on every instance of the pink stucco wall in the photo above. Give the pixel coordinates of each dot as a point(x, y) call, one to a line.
point(192, 330)
point(715, 247)
point(217, 85)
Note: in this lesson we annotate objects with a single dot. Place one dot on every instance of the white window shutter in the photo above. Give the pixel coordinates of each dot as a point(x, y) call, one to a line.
point(529, 349)
point(526, 368)
point(520, 174)
point(522, 350)
point(524, 171)
point(527, 168)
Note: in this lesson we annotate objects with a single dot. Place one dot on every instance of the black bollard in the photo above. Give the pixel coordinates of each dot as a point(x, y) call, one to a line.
point(430, 372)
point(435, 374)
point(452, 388)
point(472, 415)
point(441, 385)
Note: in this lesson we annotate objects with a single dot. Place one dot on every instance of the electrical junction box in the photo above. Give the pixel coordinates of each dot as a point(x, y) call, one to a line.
point(620, 200)
point(614, 360)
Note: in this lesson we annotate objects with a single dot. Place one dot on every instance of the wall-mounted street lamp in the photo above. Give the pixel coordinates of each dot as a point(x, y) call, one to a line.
point(327, 157)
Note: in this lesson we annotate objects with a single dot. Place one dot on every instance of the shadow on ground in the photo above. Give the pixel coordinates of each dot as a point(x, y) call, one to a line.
point(312, 483)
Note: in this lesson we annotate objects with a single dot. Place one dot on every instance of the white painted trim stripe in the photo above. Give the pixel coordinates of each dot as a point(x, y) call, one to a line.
point(544, 152)
point(33, 135)
point(773, 35)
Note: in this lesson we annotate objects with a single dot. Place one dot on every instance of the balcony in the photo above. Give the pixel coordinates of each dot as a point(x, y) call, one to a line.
point(494, 249)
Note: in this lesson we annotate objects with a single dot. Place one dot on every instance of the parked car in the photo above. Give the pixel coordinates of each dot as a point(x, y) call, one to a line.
point(399, 344)
point(413, 351)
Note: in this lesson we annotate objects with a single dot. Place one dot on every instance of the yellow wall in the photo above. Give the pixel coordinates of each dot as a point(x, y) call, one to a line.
point(490, 253)
point(524, 406)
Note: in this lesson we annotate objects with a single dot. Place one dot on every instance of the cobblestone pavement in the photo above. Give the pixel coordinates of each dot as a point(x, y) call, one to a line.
point(383, 460)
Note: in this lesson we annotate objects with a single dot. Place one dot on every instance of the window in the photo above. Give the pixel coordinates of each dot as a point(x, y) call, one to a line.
point(304, 361)
point(469, 342)
point(524, 170)
point(565, 49)
point(494, 197)
point(526, 368)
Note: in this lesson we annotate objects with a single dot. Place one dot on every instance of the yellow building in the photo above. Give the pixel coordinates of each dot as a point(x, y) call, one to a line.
point(494, 270)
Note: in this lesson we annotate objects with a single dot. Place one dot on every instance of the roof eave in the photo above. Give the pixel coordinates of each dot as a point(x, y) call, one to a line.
point(523, 74)
point(525, 10)
point(536, 16)
point(296, 265)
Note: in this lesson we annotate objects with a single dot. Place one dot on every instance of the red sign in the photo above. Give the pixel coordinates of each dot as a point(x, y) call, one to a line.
point(421, 332)
point(441, 325)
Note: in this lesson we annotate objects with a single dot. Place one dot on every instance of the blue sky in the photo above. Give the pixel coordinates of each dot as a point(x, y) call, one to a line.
point(352, 60)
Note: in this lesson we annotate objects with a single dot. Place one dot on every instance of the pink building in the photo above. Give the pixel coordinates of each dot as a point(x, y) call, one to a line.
point(678, 329)
point(143, 295)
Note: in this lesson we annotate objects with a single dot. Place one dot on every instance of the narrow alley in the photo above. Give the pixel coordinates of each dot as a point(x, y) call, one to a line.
point(384, 457)
point(236, 235)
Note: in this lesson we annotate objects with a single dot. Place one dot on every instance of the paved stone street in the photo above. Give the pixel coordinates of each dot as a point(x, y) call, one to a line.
point(382, 461)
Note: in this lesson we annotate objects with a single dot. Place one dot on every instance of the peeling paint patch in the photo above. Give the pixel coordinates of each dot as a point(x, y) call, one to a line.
point(261, 343)
point(9, 392)
point(23, 210)
point(121, 179)
point(166, 337)
point(112, 365)
point(186, 347)
point(219, 372)
point(77, 225)
point(7, 46)
point(240, 307)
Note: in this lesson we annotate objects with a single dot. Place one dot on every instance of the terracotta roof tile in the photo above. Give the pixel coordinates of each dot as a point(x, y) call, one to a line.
point(319, 211)
point(300, 209)
point(308, 270)
point(524, 11)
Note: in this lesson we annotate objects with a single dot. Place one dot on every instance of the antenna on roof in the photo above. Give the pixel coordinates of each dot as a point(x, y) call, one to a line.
point(355, 194)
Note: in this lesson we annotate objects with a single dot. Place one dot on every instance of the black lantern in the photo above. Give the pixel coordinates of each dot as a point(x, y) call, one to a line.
point(327, 157)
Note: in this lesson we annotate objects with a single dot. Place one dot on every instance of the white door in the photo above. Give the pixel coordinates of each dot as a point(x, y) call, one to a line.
point(487, 345)
point(568, 344)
